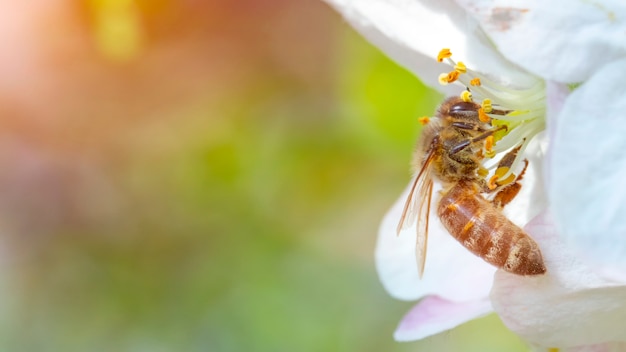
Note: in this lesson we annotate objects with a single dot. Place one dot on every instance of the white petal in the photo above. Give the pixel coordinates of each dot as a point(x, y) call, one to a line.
point(561, 40)
point(433, 315)
point(451, 271)
point(588, 170)
point(412, 33)
point(569, 306)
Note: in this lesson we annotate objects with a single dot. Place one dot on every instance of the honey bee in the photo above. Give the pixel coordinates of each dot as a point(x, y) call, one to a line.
point(450, 150)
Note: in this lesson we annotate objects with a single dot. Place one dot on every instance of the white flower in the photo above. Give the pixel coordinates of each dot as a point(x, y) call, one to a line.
point(523, 45)
point(571, 306)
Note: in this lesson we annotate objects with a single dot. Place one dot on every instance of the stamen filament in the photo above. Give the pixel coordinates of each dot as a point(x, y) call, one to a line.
point(496, 86)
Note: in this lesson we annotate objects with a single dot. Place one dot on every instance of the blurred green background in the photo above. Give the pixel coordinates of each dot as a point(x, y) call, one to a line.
point(201, 176)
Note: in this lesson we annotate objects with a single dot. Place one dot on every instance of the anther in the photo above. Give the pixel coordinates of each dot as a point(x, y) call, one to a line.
point(507, 180)
point(475, 82)
point(452, 76)
point(423, 120)
point(482, 116)
point(443, 79)
point(444, 54)
point(466, 96)
point(486, 105)
point(501, 171)
point(460, 67)
point(489, 144)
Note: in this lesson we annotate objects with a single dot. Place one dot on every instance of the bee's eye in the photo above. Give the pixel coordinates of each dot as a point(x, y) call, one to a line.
point(463, 109)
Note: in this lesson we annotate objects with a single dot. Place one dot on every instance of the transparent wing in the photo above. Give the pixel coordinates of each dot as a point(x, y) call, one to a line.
point(417, 209)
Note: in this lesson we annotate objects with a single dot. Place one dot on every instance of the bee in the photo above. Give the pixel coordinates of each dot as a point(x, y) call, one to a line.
point(450, 150)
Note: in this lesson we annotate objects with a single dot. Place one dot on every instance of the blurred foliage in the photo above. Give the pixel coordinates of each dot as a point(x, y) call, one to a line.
point(242, 220)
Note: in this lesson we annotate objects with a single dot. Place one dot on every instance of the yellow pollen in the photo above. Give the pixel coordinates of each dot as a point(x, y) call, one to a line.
point(443, 79)
point(424, 120)
point(444, 54)
point(460, 67)
point(466, 96)
point(482, 172)
point(507, 180)
point(452, 76)
point(490, 154)
point(486, 105)
point(501, 171)
point(482, 116)
point(489, 144)
point(475, 82)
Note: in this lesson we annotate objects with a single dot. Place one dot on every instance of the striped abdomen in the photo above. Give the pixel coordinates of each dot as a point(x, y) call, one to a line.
point(486, 232)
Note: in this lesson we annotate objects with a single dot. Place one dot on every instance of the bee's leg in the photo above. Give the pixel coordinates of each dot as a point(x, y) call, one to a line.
point(507, 192)
point(465, 143)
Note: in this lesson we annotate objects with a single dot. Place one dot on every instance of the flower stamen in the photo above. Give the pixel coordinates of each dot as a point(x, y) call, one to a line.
point(489, 144)
point(482, 116)
point(500, 172)
point(520, 111)
point(486, 105)
point(443, 54)
point(460, 67)
point(447, 78)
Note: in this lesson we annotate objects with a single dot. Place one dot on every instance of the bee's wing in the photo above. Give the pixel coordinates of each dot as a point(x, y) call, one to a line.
point(417, 208)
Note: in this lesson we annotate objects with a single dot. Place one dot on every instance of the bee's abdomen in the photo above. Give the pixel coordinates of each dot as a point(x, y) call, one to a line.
point(486, 232)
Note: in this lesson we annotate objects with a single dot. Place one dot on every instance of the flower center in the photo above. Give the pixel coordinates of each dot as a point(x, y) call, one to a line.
point(518, 114)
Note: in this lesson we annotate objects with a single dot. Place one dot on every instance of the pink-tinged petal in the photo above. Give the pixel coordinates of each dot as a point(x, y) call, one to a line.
point(433, 315)
point(556, 94)
point(451, 271)
point(569, 306)
point(560, 40)
point(587, 171)
point(413, 32)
